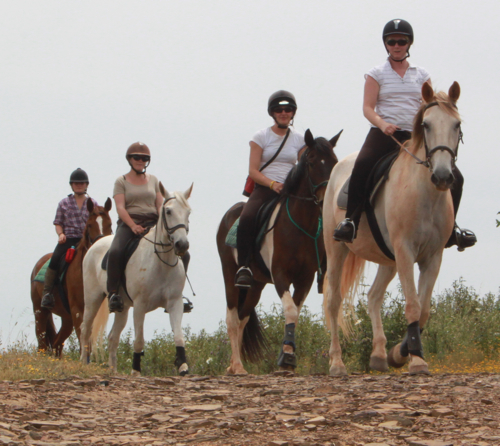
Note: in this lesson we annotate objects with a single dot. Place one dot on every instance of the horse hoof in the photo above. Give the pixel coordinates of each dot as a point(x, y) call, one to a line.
point(379, 364)
point(183, 369)
point(135, 373)
point(418, 366)
point(338, 370)
point(394, 358)
point(287, 368)
point(240, 372)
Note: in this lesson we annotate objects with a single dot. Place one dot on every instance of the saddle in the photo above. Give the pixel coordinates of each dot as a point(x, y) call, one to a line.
point(377, 177)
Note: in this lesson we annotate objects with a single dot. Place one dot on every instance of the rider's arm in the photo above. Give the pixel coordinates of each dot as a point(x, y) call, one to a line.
point(123, 213)
point(60, 233)
point(255, 159)
point(372, 89)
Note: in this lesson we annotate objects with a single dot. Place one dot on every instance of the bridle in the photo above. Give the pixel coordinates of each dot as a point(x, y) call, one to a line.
point(430, 152)
point(170, 231)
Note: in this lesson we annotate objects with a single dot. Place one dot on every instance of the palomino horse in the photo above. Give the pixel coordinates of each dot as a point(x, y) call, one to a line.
point(292, 251)
point(154, 279)
point(98, 225)
point(414, 211)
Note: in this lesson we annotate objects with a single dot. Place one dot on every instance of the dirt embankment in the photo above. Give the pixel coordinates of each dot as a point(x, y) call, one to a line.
point(277, 410)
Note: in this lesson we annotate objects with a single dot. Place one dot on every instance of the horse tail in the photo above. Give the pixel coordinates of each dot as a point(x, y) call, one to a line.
point(352, 272)
point(50, 332)
point(99, 330)
point(255, 345)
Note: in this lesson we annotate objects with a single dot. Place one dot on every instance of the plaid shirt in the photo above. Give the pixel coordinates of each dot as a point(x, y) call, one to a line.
point(71, 218)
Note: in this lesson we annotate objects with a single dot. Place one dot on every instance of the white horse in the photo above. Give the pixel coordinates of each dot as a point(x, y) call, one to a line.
point(155, 279)
point(414, 211)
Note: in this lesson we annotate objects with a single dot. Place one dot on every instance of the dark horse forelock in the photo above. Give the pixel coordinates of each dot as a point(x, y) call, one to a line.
point(292, 182)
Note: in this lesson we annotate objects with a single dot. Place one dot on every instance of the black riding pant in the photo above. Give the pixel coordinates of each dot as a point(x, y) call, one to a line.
point(60, 251)
point(377, 145)
point(247, 227)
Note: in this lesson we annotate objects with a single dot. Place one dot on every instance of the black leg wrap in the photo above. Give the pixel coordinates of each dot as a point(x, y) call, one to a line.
point(288, 359)
point(180, 356)
point(411, 342)
point(136, 363)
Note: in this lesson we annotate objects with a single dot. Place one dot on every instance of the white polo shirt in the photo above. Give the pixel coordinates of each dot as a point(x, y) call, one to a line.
point(283, 163)
point(399, 97)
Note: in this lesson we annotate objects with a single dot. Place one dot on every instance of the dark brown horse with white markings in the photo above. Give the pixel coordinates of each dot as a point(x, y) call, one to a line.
point(98, 224)
point(291, 253)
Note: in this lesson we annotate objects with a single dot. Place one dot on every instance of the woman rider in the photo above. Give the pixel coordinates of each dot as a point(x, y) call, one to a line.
point(138, 202)
point(392, 97)
point(71, 217)
point(269, 181)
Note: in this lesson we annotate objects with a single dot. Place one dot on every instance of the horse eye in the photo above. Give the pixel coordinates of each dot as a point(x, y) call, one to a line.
point(169, 212)
point(457, 125)
point(425, 125)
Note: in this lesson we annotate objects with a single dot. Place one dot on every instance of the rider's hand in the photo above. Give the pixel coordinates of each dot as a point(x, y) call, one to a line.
point(277, 187)
point(389, 129)
point(62, 238)
point(138, 229)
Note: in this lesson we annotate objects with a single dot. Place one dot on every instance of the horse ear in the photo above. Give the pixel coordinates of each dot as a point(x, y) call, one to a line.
point(454, 92)
point(334, 140)
point(427, 92)
point(108, 205)
point(187, 194)
point(309, 138)
point(90, 205)
point(163, 191)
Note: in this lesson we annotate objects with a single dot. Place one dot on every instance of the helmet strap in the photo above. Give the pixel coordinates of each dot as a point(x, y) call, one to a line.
point(139, 172)
point(281, 126)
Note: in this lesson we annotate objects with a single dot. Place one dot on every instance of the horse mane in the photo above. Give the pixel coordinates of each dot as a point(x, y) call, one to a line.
point(297, 173)
point(417, 138)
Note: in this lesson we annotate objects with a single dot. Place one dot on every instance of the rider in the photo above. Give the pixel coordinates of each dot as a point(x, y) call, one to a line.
point(282, 107)
point(138, 202)
point(71, 217)
point(392, 97)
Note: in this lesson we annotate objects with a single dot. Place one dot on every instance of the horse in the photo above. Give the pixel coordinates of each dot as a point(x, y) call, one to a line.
point(292, 252)
point(98, 225)
point(154, 278)
point(415, 215)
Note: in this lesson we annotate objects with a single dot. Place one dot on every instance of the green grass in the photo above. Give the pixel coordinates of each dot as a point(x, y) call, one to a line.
point(463, 334)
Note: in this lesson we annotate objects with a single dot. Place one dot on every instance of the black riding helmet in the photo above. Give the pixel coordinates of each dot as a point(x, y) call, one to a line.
point(398, 26)
point(281, 98)
point(79, 176)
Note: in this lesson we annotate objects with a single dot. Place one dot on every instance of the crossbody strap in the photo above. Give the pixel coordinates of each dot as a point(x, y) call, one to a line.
point(277, 151)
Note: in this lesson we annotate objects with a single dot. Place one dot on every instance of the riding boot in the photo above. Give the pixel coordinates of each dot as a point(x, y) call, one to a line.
point(48, 300)
point(115, 303)
point(244, 277)
point(463, 238)
point(345, 231)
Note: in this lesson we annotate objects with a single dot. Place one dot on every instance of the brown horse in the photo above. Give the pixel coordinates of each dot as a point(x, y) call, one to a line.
point(98, 225)
point(292, 252)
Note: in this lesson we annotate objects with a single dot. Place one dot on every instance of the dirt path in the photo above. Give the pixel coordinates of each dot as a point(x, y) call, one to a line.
point(275, 410)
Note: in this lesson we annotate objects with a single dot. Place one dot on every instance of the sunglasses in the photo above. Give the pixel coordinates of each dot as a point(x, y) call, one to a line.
point(400, 42)
point(283, 109)
point(144, 158)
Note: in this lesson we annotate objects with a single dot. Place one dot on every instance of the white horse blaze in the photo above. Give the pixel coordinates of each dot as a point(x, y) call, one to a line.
point(99, 222)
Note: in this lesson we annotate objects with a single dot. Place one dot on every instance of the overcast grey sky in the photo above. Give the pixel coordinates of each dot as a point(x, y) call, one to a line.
point(81, 81)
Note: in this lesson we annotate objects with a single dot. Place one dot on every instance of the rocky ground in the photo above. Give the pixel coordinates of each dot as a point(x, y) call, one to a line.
point(276, 410)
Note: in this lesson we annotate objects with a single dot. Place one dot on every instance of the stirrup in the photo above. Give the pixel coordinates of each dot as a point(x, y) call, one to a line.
point(244, 277)
point(48, 301)
point(465, 238)
point(115, 303)
point(342, 232)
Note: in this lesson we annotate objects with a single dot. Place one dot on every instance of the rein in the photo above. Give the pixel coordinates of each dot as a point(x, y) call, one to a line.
point(428, 153)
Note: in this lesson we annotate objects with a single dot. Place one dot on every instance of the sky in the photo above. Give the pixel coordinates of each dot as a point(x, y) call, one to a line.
point(81, 81)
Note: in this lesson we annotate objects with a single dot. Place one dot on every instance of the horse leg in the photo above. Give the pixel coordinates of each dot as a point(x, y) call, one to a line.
point(413, 312)
point(139, 315)
point(91, 309)
point(235, 328)
point(114, 336)
point(337, 255)
point(63, 334)
point(175, 309)
point(378, 357)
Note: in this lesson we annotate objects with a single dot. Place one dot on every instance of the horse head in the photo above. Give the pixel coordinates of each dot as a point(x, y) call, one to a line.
point(98, 224)
point(319, 159)
point(174, 219)
point(438, 127)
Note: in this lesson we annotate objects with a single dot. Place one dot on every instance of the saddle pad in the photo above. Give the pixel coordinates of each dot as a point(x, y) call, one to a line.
point(231, 235)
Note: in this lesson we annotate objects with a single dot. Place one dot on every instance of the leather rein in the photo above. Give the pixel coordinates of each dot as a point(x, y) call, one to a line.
point(428, 153)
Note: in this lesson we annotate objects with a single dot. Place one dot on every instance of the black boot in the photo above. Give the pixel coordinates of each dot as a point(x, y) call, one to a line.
point(244, 277)
point(345, 231)
point(115, 303)
point(48, 301)
point(463, 238)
